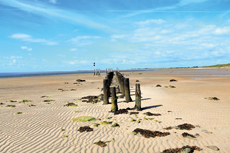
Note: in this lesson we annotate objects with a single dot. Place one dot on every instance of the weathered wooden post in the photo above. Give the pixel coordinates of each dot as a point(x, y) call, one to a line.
point(138, 98)
point(106, 71)
point(123, 86)
point(127, 90)
point(114, 100)
point(106, 91)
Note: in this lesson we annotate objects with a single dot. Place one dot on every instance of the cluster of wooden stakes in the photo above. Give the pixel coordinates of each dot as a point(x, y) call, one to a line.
point(123, 88)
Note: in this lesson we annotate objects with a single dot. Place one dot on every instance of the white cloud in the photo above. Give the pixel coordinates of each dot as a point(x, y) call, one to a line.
point(147, 22)
point(28, 38)
point(208, 45)
point(83, 40)
point(220, 31)
point(53, 1)
point(25, 47)
point(117, 36)
point(73, 49)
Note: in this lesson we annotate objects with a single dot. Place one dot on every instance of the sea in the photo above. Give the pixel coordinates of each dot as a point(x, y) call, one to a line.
point(34, 74)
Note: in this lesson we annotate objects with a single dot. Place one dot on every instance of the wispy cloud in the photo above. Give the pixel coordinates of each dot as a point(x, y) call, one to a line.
point(224, 30)
point(53, 1)
point(73, 49)
point(83, 40)
point(166, 8)
point(28, 38)
point(47, 11)
point(147, 22)
point(26, 48)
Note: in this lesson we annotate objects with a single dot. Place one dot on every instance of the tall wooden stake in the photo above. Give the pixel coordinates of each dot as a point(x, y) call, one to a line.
point(127, 90)
point(106, 91)
point(138, 98)
point(114, 100)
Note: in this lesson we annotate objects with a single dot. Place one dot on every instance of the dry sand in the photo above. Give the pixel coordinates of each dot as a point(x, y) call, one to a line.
point(38, 128)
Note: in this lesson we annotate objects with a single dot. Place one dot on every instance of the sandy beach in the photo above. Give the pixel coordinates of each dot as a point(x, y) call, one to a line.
point(48, 126)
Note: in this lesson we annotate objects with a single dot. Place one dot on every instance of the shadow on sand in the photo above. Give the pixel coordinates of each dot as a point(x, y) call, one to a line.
point(148, 107)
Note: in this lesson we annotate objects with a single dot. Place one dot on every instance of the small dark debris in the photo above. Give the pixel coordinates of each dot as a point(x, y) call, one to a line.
point(184, 126)
point(85, 128)
point(76, 83)
point(173, 80)
point(101, 143)
point(92, 99)
point(148, 133)
point(131, 113)
point(48, 100)
point(79, 80)
point(169, 111)
point(188, 135)
point(70, 105)
point(73, 89)
point(10, 106)
point(44, 96)
point(151, 114)
point(137, 81)
point(60, 89)
point(12, 101)
point(178, 118)
point(1, 103)
point(177, 150)
point(158, 85)
point(121, 111)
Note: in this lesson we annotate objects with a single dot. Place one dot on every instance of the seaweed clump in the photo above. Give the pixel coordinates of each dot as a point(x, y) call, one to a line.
point(151, 114)
point(131, 113)
point(188, 149)
point(121, 111)
point(85, 128)
point(148, 133)
point(184, 126)
point(92, 99)
point(70, 105)
point(188, 135)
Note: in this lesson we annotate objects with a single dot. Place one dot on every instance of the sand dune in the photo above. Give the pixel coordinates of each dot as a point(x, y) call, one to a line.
point(39, 128)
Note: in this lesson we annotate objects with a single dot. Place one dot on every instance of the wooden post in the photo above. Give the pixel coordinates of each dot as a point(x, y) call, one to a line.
point(94, 72)
point(106, 71)
point(138, 98)
point(106, 91)
point(127, 90)
point(123, 86)
point(114, 100)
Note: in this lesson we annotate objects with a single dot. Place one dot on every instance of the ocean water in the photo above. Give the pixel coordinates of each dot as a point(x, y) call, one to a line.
point(31, 74)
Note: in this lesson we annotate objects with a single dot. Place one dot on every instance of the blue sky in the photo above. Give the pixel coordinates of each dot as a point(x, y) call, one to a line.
point(67, 35)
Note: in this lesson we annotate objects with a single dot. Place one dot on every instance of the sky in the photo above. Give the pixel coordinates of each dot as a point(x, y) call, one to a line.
point(69, 35)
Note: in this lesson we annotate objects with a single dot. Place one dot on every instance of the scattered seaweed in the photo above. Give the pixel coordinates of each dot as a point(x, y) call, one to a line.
point(115, 125)
point(18, 113)
point(158, 85)
point(170, 86)
point(25, 100)
point(105, 123)
point(133, 120)
point(65, 136)
point(148, 133)
point(73, 89)
point(212, 98)
point(12, 101)
point(70, 105)
point(62, 129)
point(131, 113)
point(188, 135)
point(95, 124)
point(121, 111)
point(83, 119)
point(44, 96)
point(77, 111)
point(49, 100)
point(184, 126)
point(173, 80)
point(80, 80)
point(11, 106)
point(1, 103)
point(31, 105)
point(151, 114)
point(103, 143)
point(85, 128)
point(92, 99)
point(187, 149)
